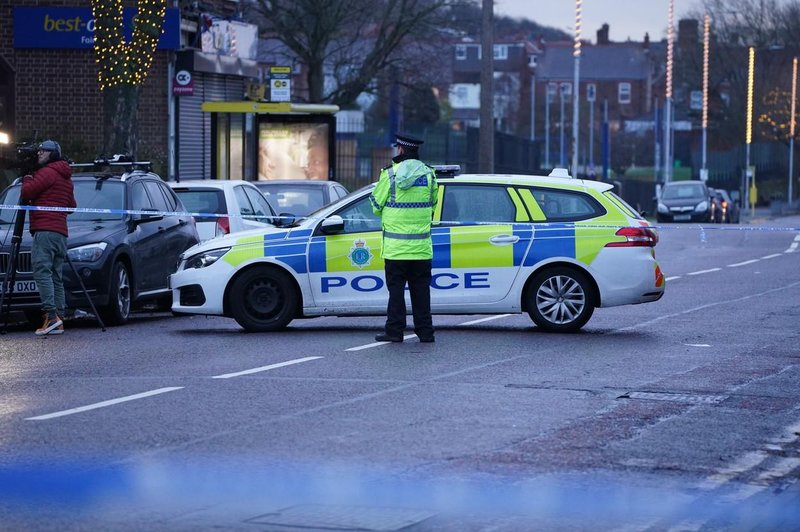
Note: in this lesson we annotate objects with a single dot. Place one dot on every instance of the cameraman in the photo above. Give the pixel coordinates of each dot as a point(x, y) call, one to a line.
point(50, 186)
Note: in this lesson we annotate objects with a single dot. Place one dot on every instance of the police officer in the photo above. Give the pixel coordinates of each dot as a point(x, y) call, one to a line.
point(404, 198)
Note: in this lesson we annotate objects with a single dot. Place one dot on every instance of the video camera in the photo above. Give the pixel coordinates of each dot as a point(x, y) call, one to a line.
point(24, 160)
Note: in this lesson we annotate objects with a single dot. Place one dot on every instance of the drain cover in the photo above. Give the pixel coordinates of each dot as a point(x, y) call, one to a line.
point(343, 517)
point(698, 399)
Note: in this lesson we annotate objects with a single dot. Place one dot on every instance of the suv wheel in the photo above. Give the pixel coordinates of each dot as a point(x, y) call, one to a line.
point(118, 309)
point(560, 300)
point(263, 300)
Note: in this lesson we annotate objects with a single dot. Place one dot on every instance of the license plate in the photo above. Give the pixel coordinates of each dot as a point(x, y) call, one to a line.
point(21, 287)
point(682, 217)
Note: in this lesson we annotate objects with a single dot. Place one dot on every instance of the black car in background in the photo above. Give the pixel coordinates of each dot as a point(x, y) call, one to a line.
point(124, 259)
point(684, 201)
point(727, 210)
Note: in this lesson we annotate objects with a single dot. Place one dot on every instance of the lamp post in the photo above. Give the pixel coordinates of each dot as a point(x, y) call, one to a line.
point(562, 157)
point(668, 102)
point(706, 26)
point(576, 53)
point(751, 63)
point(792, 124)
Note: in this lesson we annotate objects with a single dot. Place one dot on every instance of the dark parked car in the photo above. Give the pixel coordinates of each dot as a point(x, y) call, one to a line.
point(124, 259)
point(684, 201)
point(300, 197)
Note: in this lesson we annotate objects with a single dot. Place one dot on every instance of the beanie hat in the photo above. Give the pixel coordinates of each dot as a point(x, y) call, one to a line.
point(53, 146)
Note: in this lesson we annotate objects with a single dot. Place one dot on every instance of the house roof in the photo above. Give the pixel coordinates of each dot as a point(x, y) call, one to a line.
point(611, 62)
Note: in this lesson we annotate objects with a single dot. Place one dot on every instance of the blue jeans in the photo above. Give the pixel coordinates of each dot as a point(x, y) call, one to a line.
point(48, 255)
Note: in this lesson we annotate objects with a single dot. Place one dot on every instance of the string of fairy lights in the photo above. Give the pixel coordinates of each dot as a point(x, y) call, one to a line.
point(118, 62)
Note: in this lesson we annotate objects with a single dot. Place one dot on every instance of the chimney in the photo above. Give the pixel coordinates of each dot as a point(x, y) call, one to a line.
point(688, 33)
point(602, 35)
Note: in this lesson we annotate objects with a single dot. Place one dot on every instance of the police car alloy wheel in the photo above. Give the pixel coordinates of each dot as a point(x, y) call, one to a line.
point(560, 300)
point(263, 299)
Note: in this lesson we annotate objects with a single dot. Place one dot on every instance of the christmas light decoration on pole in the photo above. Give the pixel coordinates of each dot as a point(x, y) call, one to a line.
point(751, 64)
point(668, 102)
point(576, 53)
point(120, 62)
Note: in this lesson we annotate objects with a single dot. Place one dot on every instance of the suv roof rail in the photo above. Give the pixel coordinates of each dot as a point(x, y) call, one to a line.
point(118, 160)
point(560, 172)
point(446, 170)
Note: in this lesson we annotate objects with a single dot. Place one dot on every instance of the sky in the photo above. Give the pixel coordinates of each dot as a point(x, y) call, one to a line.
point(625, 18)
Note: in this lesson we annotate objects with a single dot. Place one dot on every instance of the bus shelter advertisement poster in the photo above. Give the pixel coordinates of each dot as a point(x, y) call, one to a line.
point(294, 151)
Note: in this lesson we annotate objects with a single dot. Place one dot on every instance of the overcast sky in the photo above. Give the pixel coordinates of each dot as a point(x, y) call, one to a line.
point(626, 18)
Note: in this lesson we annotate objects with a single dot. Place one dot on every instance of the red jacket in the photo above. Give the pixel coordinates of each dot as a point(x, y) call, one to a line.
point(50, 186)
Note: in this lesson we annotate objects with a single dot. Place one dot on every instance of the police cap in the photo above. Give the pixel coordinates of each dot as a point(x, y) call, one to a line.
point(408, 141)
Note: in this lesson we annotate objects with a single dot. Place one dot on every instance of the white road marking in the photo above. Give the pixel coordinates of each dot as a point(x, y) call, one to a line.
point(672, 278)
point(704, 271)
point(698, 345)
point(376, 344)
point(745, 263)
point(481, 320)
point(771, 256)
point(102, 404)
point(264, 368)
point(792, 248)
point(745, 463)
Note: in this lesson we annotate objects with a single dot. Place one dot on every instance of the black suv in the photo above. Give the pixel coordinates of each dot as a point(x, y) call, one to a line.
point(124, 259)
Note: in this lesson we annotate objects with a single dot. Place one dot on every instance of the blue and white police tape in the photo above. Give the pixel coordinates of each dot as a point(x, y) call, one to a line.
point(557, 225)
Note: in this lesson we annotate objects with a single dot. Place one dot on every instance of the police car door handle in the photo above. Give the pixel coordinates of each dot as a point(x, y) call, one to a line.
point(504, 239)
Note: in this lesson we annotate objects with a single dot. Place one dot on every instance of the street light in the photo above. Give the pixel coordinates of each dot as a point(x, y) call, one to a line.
point(792, 124)
point(668, 103)
point(706, 26)
point(576, 53)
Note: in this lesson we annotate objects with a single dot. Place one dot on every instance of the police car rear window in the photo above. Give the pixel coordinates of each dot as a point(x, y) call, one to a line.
point(566, 206)
point(622, 204)
point(204, 201)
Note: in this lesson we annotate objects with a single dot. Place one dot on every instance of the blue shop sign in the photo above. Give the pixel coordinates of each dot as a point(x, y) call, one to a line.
point(73, 27)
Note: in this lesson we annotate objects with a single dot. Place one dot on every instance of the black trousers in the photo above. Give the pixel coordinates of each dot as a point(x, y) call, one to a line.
point(417, 273)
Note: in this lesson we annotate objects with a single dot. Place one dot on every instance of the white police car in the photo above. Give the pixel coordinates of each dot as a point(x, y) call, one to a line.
point(554, 247)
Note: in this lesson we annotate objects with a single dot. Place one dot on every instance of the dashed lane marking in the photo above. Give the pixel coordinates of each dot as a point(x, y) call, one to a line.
point(264, 368)
point(745, 263)
point(102, 404)
point(700, 272)
point(489, 318)
point(771, 256)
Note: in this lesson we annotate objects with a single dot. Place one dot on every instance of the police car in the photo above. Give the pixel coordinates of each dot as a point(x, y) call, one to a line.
point(551, 246)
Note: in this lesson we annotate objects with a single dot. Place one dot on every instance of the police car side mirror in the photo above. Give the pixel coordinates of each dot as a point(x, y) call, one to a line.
point(332, 224)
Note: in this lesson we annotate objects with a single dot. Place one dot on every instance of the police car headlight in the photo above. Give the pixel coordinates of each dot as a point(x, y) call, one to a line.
point(701, 207)
point(206, 258)
point(663, 209)
point(87, 253)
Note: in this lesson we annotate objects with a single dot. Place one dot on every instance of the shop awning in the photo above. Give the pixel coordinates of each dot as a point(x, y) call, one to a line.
point(267, 107)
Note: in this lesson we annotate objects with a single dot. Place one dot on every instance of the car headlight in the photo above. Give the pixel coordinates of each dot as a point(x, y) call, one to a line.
point(663, 209)
point(701, 207)
point(206, 258)
point(87, 253)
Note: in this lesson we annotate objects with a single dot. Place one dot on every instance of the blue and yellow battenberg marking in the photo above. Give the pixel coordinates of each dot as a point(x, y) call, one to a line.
point(361, 252)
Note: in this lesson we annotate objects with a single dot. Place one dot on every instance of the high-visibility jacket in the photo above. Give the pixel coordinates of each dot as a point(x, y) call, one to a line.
point(404, 198)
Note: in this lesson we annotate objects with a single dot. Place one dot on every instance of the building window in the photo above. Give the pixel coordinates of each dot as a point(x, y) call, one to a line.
point(461, 52)
point(500, 52)
point(624, 93)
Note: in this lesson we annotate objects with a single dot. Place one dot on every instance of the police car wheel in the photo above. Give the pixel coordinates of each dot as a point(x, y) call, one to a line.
point(263, 300)
point(560, 300)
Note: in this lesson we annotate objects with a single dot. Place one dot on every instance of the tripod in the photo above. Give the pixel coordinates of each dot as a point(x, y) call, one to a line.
point(11, 270)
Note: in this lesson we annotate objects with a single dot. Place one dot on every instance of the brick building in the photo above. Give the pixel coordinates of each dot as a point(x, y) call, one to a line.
point(49, 87)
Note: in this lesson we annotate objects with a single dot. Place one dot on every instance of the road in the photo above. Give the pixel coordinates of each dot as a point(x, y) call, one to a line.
point(682, 414)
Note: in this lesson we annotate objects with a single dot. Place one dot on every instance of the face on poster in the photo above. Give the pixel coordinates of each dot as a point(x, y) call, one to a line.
point(293, 151)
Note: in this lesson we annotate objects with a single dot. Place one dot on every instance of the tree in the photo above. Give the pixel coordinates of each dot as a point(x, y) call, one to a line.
point(354, 41)
point(123, 67)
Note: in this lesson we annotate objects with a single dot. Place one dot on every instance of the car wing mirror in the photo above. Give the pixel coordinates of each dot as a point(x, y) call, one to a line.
point(147, 215)
point(332, 224)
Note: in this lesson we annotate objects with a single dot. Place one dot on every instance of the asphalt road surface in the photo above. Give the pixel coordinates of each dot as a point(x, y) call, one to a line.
point(682, 414)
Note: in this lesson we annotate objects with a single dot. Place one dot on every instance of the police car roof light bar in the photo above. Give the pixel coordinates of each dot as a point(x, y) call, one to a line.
point(446, 170)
